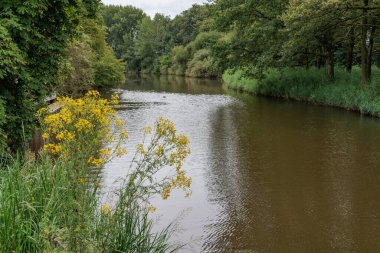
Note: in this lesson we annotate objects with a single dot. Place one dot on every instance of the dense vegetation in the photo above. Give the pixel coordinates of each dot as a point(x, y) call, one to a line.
point(256, 41)
point(256, 34)
point(181, 46)
point(47, 46)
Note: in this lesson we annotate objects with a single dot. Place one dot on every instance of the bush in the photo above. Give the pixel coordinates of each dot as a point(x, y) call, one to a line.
point(202, 65)
point(109, 71)
point(76, 72)
point(55, 203)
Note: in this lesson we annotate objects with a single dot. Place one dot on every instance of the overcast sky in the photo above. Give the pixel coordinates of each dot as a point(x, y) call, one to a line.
point(151, 7)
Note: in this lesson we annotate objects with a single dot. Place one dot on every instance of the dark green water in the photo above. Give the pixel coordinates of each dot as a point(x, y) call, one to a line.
point(269, 175)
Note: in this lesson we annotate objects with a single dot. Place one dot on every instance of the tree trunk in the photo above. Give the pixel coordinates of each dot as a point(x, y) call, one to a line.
point(364, 46)
point(330, 61)
point(350, 51)
point(319, 59)
point(370, 48)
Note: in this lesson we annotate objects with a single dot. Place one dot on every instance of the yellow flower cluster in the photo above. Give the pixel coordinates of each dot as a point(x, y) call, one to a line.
point(96, 162)
point(181, 181)
point(83, 124)
point(165, 127)
point(140, 149)
point(178, 144)
point(53, 148)
point(121, 151)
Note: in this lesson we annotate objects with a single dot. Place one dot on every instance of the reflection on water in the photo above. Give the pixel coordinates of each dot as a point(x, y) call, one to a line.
point(269, 175)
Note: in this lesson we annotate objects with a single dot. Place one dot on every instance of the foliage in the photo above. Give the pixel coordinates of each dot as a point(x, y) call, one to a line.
point(187, 25)
point(108, 70)
point(90, 61)
point(55, 203)
point(202, 65)
point(160, 45)
point(77, 72)
point(122, 28)
point(152, 41)
point(34, 35)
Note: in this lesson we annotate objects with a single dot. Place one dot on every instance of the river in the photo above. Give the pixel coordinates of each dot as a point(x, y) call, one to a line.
point(268, 175)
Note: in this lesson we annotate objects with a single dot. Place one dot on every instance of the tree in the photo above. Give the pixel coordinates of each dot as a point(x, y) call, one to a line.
point(122, 28)
point(186, 26)
point(152, 40)
point(252, 32)
point(369, 22)
point(313, 31)
point(90, 61)
point(34, 37)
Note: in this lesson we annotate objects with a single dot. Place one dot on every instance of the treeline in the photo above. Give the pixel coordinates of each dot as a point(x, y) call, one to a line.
point(49, 46)
point(179, 46)
point(206, 40)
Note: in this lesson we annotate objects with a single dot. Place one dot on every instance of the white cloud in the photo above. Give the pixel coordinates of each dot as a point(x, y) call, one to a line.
point(151, 7)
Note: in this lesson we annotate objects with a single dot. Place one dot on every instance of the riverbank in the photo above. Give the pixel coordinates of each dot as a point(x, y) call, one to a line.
point(54, 201)
point(313, 86)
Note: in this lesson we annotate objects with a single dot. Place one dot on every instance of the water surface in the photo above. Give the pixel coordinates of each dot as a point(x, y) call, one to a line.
point(268, 175)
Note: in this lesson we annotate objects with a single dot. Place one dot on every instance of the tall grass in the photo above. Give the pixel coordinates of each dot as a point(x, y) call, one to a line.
point(53, 203)
point(39, 212)
point(345, 91)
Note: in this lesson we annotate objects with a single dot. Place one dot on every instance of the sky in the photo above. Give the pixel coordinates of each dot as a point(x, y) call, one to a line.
point(151, 7)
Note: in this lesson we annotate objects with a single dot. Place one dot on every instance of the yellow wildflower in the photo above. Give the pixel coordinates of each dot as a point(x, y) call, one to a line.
point(84, 125)
point(121, 152)
point(106, 209)
point(123, 134)
point(53, 148)
point(93, 93)
point(140, 149)
point(105, 152)
point(166, 192)
point(119, 123)
point(97, 162)
point(148, 130)
point(151, 209)
point(115, 99)
point(45, 136)
point(160, 151)
point(82, 181)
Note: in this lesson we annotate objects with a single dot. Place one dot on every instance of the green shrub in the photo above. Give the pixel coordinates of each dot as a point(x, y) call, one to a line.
point(203, 40)
point(202, 65)
point(109, 71)
point(77, 72)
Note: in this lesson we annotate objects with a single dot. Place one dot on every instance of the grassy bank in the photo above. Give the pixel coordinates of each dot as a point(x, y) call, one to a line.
point(55, 203)
point(313, 86)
